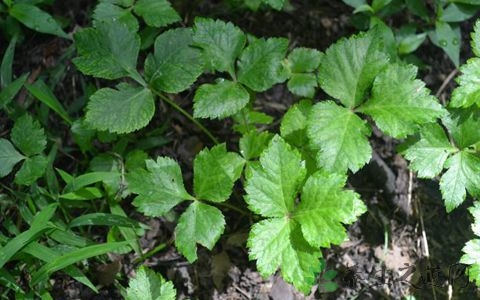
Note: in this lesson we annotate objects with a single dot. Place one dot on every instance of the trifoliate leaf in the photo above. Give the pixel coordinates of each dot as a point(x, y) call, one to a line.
point(304, 60)
point(108, 12)
point(324, 206)
point(175, 65)
point(260, 65)
point(350, 66)
point(278, 243)
point(28, 136)
point(461, 176)
point(159, 188)
point(156, 13)
point(253, 143)
point(148, 285)
point(340, 136)
point(219, 100)
point(463, 124)
point(9, 157)
point(303, 84)
point(468, 91)
point(124, 110)
point(109, 50)
point(294, 123)
point(400, 103)
point(200, 223)
point(215, 172)
point(221, 42)
point(32, 169)
point(428, 155)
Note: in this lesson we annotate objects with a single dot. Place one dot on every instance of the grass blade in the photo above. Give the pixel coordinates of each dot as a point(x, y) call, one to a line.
point(103, 219)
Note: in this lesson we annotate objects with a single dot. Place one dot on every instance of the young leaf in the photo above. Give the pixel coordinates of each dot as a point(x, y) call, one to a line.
point(350, 66)
point(156, 13)
point(468, 91)
point(148, 285)
point(108, 12)
point(28, 136)
point(159, 188)
point(123, 110)
point(175, 65)
point(260, 65)
point(215, 172)
point(219, 100)
point(340, 136)
point(9, 157)
point(294, 123)
point(303, 84)
point(304, 60)
point(32, 169)
point(428, 155)
point(400, 103)
point(200, 223)
point(253, 143)
point(221, 42)
point(109, 50)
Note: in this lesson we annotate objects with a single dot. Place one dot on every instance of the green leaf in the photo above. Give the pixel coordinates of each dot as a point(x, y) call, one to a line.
point(294, 123)
point(271, 190)
point(215, 172)
point(28, 136)
point(458, 13)
point(468, 91)
point(329, 275)
point(159, 188)
point(148, 285)
point(410, 43)
point(449, 39)
point(221, 42)
point(400, 103)
point(428, 155)
point(32, 169)
point(324, 206)
point(109, 50)
point(303, 84)
point(304, 60)
point(253, 143)
point(463, 124)
point(340, 136)
point(260, 65)
point(200, 223)
point(219, 100)
point(10, 91)
point(472, 247)
point(462, 175)
point(9, 157)
point(278, 243)
point(156, 13)
point(121, 111)
point(276, 4)
point(43, 93)
point(36, 19)
point(350, 66)
point(103, 219)
point(330, 286)
point(7, 65)
point(475, 35)
point(107, 12)
point(175, 65)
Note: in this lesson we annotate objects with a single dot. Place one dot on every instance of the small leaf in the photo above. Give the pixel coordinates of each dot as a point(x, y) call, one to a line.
point(219, 100)
point(448, 37)
point(294, 123)
point(32, 169)
point(156, 13)
point(121, 111)
point(468, 91)
point(107, 12)
point(463, 124)
point(200, 223)
point(215, 172)
point(148, 285)
point(28, 136)
point(159, 188)
point(9, 157)
point(260, 65)
point(330, 286)
point(253, 143)
point(304, 60)
point(329, 275)
point(302, 85)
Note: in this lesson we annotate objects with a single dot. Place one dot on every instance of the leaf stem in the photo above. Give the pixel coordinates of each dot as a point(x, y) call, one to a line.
point(186, 114)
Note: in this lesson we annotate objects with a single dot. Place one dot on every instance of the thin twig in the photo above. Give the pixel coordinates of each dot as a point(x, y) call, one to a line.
point(446, 82)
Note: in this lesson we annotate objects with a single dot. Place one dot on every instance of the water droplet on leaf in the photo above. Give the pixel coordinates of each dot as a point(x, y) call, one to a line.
point(443, 43)
point(455, 41)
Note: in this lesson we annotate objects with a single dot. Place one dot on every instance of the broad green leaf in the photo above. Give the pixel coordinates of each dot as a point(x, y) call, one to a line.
point(200, 223)
point(304, 60)
point(221, 42)
point(219, 100)
point(159, 188)
point(463, 124)
point(215, 172)
point(10, 91)
point(400, 103)
point(253, 143)
point(43, 93)
point(108, 12)
point(294, 123)
point(468, 91)
point(271, 190)
point(447, 37)
point(303, 84)
point(279, 243)
point(9, 157)
point(156, 13)
point(175, 65)
point(260, 65)
point(428, 155)
point(121, 110)
point(32, 169)
point(475, 35)
point(36, 19)
point(109, 50)
point(349, 67)
point(461, 176)
point(324, 206)
point(148, 285)
point(28, 136)
point(340, 136)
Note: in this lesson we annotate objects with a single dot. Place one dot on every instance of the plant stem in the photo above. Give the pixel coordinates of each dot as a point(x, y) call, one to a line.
point(186, 114)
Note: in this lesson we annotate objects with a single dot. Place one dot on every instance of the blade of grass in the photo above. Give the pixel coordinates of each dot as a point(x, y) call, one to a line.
point(104, 219)
point(8, 93)
point(128, 233)
point(9, 281)
point(89, 178)
point(7, 63)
